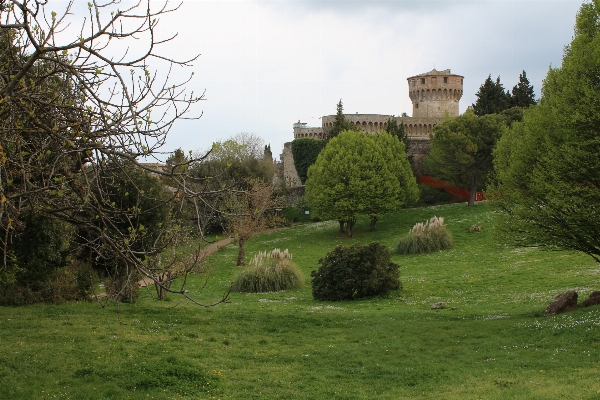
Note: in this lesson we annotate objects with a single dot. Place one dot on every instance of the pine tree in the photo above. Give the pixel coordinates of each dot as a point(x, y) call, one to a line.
point(491, 98)
point(340, 124)
point(547, 167)
point(522, 93)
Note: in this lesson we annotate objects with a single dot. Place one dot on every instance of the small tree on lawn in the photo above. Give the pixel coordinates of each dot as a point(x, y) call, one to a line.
point(353, 176)
point(245, 213)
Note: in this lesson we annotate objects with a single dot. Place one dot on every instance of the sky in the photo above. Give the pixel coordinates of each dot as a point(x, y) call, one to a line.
point(264, 65)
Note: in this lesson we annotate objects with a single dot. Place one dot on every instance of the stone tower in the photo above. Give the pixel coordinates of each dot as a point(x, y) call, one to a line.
point(435, 94)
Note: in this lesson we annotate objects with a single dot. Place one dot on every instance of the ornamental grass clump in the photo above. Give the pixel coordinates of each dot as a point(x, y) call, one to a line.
point(426, 238)
point(269, 272)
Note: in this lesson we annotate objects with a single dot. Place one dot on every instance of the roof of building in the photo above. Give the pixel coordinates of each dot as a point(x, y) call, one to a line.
point(435, 72)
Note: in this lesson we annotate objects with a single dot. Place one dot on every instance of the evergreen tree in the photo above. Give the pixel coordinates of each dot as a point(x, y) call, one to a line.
point(397, 130)
point(461, 149)
point(547, 167)
point(522, 93)
point(491, 98)
point(340, 124)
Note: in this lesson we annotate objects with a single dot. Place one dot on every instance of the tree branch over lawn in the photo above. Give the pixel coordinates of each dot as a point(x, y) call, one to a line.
point(80, 109)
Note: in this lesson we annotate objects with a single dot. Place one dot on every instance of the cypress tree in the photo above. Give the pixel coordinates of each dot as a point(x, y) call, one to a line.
point(522, 93)
point(491, 98)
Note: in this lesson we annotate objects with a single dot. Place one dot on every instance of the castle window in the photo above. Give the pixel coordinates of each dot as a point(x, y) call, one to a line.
point(416, 105)
point(445, 79)
point(423, 80)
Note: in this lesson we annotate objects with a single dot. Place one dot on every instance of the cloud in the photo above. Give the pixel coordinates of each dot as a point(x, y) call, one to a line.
point(266, 64)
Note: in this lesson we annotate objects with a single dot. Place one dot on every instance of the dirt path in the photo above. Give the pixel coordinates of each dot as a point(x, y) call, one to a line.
point(205, 252)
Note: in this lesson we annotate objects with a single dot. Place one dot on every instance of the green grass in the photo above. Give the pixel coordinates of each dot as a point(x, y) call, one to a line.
point(496, 345)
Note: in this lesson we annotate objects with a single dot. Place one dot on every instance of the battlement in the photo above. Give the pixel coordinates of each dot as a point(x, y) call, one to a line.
point(435, 93)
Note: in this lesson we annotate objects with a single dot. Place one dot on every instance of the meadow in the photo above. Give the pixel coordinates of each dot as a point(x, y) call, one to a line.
point(495, 344)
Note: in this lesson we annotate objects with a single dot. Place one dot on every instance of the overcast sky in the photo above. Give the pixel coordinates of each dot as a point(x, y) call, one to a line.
point(267, 64)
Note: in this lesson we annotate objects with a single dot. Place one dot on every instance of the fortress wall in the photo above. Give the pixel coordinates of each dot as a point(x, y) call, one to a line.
point(308, 132)
point(290, 175)
point(434, 94)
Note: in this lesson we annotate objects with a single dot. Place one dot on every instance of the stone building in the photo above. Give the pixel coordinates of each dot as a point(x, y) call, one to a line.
point(434, 95)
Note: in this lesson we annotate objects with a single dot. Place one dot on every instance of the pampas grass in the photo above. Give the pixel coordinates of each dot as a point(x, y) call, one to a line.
point(426, 238)
point(269, 272)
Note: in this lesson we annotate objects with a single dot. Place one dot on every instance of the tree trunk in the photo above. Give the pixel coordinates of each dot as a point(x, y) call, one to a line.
point(350, 224)
point(342, 226)
point(373, 222)
point(240, 258)
point(473, 192)
point(164, 283)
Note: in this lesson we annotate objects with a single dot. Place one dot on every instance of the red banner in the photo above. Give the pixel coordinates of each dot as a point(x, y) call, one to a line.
point(454, 190)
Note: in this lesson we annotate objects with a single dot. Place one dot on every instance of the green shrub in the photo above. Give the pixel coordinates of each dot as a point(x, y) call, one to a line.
point(269, 272)
point(292, 214)
point(426, 238)
point(357, 271)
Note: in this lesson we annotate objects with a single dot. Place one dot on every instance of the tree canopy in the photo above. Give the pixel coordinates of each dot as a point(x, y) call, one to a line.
point(491, 98)
point(76, 109)
point(547, 167)
point(359, 174)
point(522, 93)
point(461, 149)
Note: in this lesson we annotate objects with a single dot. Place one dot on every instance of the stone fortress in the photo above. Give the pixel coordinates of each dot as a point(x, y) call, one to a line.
point(434, 95)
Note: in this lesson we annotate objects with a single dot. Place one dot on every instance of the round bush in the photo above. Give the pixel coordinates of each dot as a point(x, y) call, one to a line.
point(357, 271)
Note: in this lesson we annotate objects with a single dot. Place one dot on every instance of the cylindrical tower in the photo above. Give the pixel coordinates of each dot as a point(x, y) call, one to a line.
point(435, 94)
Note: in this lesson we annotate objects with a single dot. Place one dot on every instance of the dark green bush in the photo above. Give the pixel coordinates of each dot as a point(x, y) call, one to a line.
point(292, 214)
point(429, 199)
point(357, 271)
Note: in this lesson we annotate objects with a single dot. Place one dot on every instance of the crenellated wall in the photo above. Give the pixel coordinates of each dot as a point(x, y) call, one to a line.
point(434, 95)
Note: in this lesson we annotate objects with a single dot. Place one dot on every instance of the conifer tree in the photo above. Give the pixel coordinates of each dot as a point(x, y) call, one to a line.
point(522, 93)
point(547, 167)
point(340, 124)
point(491, 98)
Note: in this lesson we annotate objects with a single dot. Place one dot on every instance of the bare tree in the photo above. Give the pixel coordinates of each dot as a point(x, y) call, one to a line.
point(246, 212)
point(76, 114)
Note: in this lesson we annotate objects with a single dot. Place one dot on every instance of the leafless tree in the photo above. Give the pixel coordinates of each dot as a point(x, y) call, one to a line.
point(80, 108)
point(246, 212)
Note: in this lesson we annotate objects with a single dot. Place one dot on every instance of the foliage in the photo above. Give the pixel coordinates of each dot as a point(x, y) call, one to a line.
point(235, 161)
point(398, 130)
point(294, 214)
point(393, 150)
point(340, 124)
point(38, 251)
point(431, 195)
point(461, 150)
point(352, 272)
point(491, 98)
point(305, 152)
point(269, 272)
point(522, 93)
point(547, 167)
point(69, 107)
point(426, 238)
point(358, 174)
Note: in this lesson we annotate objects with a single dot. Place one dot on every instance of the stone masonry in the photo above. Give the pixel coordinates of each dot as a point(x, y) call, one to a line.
point(434, 95)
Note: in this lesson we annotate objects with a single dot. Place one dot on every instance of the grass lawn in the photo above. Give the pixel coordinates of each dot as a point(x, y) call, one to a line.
point(496, 345)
